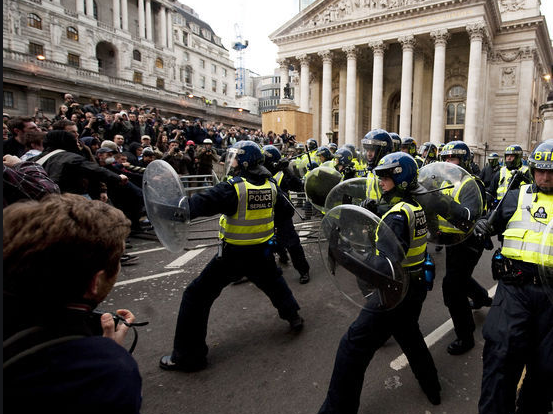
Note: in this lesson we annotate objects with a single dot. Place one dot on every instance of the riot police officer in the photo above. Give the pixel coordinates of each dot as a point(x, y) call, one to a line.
point(502, 178)
point(409, 146)
point(287, 238)
point(358, 164)
point(375, 325)
point(519, 327)
point(490, 168)
point(344, 163)
point(428, 152)
point(396, 140)
point(461, 259)
point(377, 143)
point(325, 156)
point(248, 201)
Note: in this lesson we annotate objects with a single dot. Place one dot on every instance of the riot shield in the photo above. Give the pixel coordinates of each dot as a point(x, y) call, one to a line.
point(318, 184)
point(166, 205)
point(546, 257)
point(352, 191)
point(363, 257)
point(452, 202)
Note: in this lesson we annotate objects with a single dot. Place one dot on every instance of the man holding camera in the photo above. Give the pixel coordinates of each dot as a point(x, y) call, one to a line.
point(205, 157)
point(60, 262)
point(176, 158)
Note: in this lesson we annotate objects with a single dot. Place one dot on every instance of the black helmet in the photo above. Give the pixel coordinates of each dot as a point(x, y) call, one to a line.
point(324, 153)
point(457, 149)
point(396, 140)
point(515, 150)
point(312, 144)
point(247, 153)
point(332, 147)
point(272, 157)
point(379, 142)
point(409, 146)
point(493, 159)
point(401, 168)
point(352, 149)
point(431, 151)
point(541, 157)
point(343, 157)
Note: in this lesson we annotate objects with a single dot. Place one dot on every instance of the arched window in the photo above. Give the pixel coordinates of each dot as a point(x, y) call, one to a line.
point(72, 33)
point(456, 107)
point(159, 63)
point(35, 21)
point(136, 55)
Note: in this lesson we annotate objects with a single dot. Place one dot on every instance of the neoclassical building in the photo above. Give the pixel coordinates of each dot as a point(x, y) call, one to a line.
point(436, 70)
point(157, 52)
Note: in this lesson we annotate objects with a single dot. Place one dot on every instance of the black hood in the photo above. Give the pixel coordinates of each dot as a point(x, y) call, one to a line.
point(60, 140)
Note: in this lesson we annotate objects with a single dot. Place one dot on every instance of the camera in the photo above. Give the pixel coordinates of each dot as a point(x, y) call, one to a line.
point(176, 150)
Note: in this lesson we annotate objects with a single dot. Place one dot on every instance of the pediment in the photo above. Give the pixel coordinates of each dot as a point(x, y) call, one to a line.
point(326, 13)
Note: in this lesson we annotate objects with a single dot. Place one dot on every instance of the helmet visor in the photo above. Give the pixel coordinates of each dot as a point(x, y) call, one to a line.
point(231, 161)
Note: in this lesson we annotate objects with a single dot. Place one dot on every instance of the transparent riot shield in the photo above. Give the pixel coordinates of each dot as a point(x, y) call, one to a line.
point(452, 202)
point(318, 184)
point(363, 257)
point(352, 191)
point(166, 205)
point(546, 256)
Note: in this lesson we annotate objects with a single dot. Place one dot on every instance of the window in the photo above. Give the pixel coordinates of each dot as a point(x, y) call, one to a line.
point(94, 9)
point(213, 85)
point(202, 63)
point(225, 88)
point(36, 49)
point(206, 33)
point(195, 28)
point(160, 83)
point(188, 75)
point(186, 56)
point(137, 77)
point(72, 34)
point(8, 99)
point(185, 38)
point(73, 60)
point(136, 55)
point(48, 105)
point(224, 72)
point(213, 68)
point(35, 21)
point(217, 40)
point(202, 82)
point(456, 107)
point(456, 92)
point(159, 63)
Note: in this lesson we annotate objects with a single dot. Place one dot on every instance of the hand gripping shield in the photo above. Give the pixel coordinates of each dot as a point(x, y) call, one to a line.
point(352, 191)
point(363, 258)
point(546, 258)
point(318, 184)
point(166, 205)
point(452, 202)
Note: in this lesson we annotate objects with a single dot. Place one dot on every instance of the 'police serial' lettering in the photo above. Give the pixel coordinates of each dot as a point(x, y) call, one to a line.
point(260, 199)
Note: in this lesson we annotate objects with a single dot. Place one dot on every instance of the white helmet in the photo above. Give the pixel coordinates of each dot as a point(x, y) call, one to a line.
point(208, 141)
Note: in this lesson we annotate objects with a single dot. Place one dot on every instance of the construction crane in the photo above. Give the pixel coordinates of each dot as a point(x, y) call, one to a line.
point(239, 45)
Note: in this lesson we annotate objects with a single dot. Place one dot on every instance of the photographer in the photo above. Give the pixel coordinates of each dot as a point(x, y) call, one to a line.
point(205, 157)
point(176, 158)
point(60, 261)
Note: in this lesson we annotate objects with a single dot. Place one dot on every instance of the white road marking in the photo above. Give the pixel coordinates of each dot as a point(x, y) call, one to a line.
point(401, 361)
point(141, 279)
point(185, 258)
point(147, 251)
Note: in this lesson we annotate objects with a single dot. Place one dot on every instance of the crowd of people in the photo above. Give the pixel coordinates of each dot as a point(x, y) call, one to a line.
point(101, 155)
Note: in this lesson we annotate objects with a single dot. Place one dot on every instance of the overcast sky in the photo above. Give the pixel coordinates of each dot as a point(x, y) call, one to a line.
point(259, 18)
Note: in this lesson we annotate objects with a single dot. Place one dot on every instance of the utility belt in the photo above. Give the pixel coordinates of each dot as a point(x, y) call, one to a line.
point(416, 274)
point(505, 269)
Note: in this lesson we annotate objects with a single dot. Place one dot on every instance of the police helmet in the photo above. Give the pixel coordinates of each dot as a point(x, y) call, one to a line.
point(312, 144)
point(541, 159)
point(247, 154)
point(515, 150)
point(343, 157)
point(272, 157)
point(332, 147)
point(440, 147)
point(401, 168)
point(207, 141)
point(379, 141)
point(457, 149)
point(409, 146)
point(493, 159)
point(352, 149)
point(396, 140)
point(324, 153)
point(430, 149)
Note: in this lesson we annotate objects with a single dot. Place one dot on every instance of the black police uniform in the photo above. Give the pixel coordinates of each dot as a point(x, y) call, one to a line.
point(518, 332)
point(256, 262)
point(487, 174)
point(373, 328)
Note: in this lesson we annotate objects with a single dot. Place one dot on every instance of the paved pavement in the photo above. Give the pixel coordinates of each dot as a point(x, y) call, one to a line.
point(256, 365)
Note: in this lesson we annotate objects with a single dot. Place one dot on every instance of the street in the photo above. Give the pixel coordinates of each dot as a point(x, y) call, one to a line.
point(256, 364)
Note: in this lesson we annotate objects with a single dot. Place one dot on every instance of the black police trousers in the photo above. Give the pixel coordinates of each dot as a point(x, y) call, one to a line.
point(372, 328)
point(288, 240)
point(518, 332)
point(256, 262)
point(458, 285)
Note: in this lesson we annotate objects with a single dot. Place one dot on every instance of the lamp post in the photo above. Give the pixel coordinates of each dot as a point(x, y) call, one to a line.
point(330, 135)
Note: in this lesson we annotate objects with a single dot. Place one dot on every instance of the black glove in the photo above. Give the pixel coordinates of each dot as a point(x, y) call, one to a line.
point(370, 205)
point(516, 180)
point(441, 204)
point(483, 229)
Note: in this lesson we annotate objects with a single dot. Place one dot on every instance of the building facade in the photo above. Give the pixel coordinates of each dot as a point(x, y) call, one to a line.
point(134, 52)
point(436, 70)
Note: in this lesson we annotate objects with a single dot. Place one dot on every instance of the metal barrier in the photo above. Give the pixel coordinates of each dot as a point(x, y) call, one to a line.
point(197, 183)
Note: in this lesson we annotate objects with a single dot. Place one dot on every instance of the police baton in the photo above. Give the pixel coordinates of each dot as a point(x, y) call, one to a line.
point(287, 199)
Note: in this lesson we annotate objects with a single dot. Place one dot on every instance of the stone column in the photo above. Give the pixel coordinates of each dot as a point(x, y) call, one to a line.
point(125, 15)
point(342, 106)
point(79, 6)
point(438, 81)
point(378, 48)
point(284, 77)
point(418, 100)
point(304, 82)
point(315, 82)
point(482, 116)
point(326, 110)
point(169, 29)
point(476, 32)
point(524, 107)
point(141, 22)
point(89, 8)
point(408, 46)
point(546, 113)
point(351, 89)
point(163, 27)
point(149, 20)
point(116, 15)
